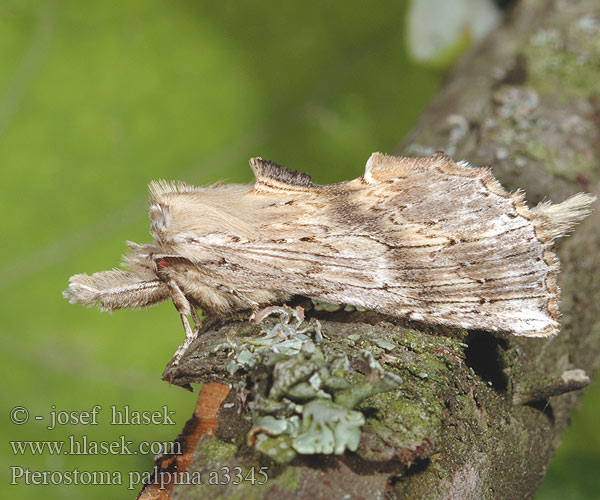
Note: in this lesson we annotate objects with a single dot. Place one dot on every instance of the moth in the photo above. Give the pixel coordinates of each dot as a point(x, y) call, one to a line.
point(427, 239)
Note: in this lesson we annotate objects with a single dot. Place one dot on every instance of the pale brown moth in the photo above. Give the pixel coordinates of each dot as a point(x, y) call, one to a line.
point(422, 238)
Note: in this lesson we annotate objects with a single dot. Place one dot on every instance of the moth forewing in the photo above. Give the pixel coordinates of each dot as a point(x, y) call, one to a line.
point(423, 238)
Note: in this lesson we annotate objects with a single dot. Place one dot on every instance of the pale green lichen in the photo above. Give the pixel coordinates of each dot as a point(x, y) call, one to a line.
point(328, 428)
point(291, 366)
point(308, 406)
point(567, 59)
point(384, 344)
point(283, 336)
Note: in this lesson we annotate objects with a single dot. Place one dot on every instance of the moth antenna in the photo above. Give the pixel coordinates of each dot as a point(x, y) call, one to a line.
point(557, 220)
point(115, 289)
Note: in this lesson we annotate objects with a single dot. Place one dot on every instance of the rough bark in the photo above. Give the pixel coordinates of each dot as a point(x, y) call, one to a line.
point(477, 416)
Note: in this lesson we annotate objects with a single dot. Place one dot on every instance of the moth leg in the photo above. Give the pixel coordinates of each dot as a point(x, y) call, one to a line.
point(183, 306)
point(189, 338)
point(196, 319)
point(189, 333)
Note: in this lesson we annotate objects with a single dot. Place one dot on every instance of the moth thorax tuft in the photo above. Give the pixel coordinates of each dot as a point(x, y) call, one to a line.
point(159, 216)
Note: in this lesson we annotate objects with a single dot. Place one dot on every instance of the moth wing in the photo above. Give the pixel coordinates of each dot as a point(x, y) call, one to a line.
point(425, 238)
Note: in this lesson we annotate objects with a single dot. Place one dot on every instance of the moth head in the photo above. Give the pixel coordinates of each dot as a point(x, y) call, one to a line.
point(140, 259)
point(180, 212)
point(159, 221)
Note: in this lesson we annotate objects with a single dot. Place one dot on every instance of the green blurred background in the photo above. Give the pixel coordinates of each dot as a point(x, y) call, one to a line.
point(98, 98)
